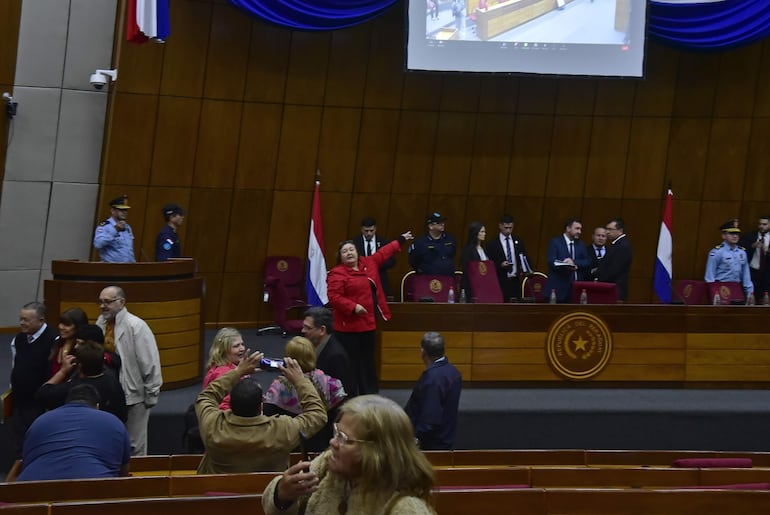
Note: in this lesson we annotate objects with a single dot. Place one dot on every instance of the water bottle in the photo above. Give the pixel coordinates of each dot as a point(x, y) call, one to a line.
point(552, 299)
point(463, 300)
point(451, 295)
point(584, 297)
point(717, 299)
point(766, 300)
point(750, 300)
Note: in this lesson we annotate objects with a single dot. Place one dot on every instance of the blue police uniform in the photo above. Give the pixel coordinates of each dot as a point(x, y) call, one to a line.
point(433, 256)
point(114, 246)
point(729, 264)
point(167, 244)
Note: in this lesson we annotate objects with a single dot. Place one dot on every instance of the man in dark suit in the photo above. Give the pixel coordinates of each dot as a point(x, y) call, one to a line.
point(330, 354)
point(510, 258)
point(368, 243)
point(616, 264)
point(567, 261)
point(596, 250)
point(756, 245)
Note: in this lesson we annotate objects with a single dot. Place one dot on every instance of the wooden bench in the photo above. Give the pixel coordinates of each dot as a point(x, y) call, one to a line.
point(244, 504)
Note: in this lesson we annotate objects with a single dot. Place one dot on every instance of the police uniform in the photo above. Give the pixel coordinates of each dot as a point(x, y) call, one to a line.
point(729, 263)
point(434, 256)
point(167, 243)
point(115, 246)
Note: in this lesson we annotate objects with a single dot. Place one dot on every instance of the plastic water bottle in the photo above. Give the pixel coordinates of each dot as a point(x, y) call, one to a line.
point(463, 300)
point(584, 297)
point(451, 295)
point(750, 301)
point(717, 299)
point(552, 298)
point(766, 300)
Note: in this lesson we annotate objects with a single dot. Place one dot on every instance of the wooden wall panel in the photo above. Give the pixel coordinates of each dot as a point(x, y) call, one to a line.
point(336, 212)
point(527, 213)
point(340, 127)
point(183, 67)
point(176, 141)
point(348, 65)
point(422, 91)
point(537, 95)
point(207, 241)
point(308, 63)
point(417, 137)
point(268, 63)
point(486, 209)
point(454, 149)
point(614, 98)
point(385, 81)
point(377, 143)
point(377, 206)
point(575, 97)
point(728, 150)
point(226, 62)
point(258, 146)
point(597, 212)
point(10, 14)
point(242, 298)
point(696, 85)
point(461, 94)
point(499, 94)
point(607, 156)
point(688, 251)
point(140, 69)
point(129, 141)
point(656, 95)
point(289, 222)
point(568, 156)
point(529, 161)
point(646, 164)
point(686, 156)
point(248, 236)
point(736, 97)
point(762, 95)
point(212, 296)
point(492, 144)
point(757, 183)
point(298, 147)
point(217, 144)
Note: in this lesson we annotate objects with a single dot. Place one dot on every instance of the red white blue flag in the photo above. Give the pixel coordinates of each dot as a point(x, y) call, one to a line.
point(663, 262)
point(315, 282)
point(147, 19)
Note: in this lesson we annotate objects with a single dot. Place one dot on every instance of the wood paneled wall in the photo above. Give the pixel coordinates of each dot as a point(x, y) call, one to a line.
point(10, 16)
point(233, 116)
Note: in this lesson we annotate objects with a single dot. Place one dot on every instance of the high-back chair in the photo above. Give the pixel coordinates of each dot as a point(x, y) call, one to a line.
point(729, 292)
point(290, 271)
point(282, 305)
point(691, 292)
point(482, 276)
point(427, 288)
point(533, 287)
point(597, 292)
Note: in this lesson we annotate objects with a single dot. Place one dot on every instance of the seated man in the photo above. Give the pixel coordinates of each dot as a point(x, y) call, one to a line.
point(76, 441)
point(432, 407)
point(242, 439)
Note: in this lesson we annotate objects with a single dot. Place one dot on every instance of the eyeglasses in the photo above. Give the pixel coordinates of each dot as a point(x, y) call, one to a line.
point(343, 439)
point(106, 302)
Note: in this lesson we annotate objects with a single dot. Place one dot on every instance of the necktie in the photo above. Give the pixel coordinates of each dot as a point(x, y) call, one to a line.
point(509, 255)
point(762, 255)
point(30, 338)
point(369, 248)
point(109, 336)
point(572, 255)
point(599, 252)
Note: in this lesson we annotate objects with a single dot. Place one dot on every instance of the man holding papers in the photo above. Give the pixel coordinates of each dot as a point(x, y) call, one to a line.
point(568, 261)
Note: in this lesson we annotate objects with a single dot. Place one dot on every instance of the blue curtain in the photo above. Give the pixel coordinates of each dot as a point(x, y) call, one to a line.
point(705, 26)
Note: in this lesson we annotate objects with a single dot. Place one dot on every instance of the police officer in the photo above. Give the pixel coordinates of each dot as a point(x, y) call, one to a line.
point(113, 237)
point(727, 262)
point(434, 253)
point(167, 244)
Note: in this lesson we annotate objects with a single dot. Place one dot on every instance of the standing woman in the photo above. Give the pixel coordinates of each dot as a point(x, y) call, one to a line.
point(355, 292)
point(69, 323)
point(473, 251)
point(226, 352)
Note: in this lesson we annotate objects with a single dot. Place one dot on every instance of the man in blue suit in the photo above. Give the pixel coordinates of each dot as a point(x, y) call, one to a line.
point(568, 261)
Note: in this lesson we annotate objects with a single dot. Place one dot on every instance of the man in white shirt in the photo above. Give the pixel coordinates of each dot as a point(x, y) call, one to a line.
point(510, 258)
point(756, 245)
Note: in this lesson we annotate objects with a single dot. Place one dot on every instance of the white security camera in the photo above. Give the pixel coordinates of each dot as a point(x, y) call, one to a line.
point(100, 77)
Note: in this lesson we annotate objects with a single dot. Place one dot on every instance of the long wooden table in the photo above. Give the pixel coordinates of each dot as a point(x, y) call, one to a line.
point(619, 345)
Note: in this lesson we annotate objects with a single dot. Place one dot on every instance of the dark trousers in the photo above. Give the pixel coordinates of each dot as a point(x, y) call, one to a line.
point(511, 288)
point(360, 348)
point(761, 281)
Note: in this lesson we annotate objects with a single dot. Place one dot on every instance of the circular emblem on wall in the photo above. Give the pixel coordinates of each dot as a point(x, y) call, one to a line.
point(282, 265)
point(482, 268)
point(435, 285)
point(578, 346)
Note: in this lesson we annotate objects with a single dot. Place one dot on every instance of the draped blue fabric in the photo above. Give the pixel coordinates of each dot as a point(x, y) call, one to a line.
point(705, 26)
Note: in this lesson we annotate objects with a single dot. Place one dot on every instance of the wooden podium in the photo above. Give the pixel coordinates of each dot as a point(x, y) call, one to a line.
point(166, 295)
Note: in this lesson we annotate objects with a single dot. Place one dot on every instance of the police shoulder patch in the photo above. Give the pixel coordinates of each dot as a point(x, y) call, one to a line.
point(102, 224)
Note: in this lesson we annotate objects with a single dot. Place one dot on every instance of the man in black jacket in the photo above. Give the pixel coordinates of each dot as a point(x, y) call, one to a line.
point(330, 354)
point(616, 264)
point(30, 350)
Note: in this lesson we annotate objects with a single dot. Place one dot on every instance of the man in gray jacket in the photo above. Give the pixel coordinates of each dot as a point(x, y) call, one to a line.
point(140, 376)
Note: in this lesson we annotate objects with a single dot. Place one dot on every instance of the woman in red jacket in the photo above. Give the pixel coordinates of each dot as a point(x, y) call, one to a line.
point(355, 293)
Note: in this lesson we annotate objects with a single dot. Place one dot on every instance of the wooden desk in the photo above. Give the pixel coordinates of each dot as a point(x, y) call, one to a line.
point(649, 345)
point(166, 295)
point(498, 18)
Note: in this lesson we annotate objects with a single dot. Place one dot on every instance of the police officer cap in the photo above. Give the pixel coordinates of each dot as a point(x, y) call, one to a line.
point(731, 226)
point(173, 209)
point(120, 202)
point(435, 218)
point(91, 332)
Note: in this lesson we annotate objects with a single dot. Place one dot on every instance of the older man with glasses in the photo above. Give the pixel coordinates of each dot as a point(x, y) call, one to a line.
point(131, 338)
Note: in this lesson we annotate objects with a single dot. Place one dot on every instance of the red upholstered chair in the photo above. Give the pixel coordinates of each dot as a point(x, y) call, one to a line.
point(533, 287)
point(598, 293)
point(431, 288)
point(291, 272)
point(482, 277)
point(691, 292)
point(282, 304)
point(729, 292)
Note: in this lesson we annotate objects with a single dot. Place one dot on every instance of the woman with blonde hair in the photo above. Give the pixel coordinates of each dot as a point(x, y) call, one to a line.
point(225, 353)
point(282, 397)
point(372, 466)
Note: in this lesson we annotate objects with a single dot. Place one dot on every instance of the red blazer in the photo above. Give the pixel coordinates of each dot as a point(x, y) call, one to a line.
point(347, 287)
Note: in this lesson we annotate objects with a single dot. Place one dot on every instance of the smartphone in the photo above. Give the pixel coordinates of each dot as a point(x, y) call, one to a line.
point(303, 449)
point(271, 363)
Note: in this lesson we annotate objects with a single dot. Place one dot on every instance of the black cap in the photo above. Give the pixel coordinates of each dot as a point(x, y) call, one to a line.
point(435, 218)
point(120, 202)
point(173, 209)
point(91, 332)
point(731, 226)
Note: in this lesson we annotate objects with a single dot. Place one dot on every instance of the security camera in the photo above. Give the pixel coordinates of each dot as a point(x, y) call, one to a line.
point(100, 77)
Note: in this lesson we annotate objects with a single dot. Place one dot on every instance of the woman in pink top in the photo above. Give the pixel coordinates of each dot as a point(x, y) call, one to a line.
point(226, 351)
